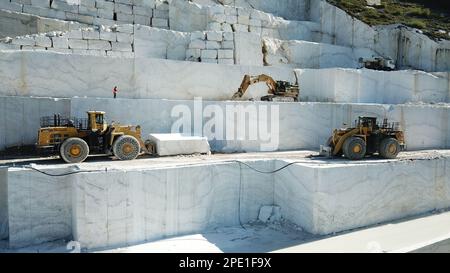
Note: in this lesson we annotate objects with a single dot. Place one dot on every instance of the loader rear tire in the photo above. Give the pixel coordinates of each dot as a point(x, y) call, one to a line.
point(354, 148)
point(389, 148)
point(74, 150)
point(126, 148)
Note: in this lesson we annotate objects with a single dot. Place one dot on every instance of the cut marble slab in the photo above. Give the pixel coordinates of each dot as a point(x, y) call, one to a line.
point(178, 144)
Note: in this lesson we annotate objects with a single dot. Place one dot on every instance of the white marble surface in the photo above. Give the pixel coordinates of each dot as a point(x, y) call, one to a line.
point(298, 30)
point(375, 195)
point(17, 24)
point(158, 43)
point(329, 199)
point(304, 54)
point(125, 207)
point(39, 208)
point(288, 9)
point(61, 75)
point(369, 86)
point(407, 47)
point(177, 144)
point(301, 125)
point(248, 49)
point(425, 126)
point(122, 208)
point(20, 118)
point(3, 203)
point(187, 16)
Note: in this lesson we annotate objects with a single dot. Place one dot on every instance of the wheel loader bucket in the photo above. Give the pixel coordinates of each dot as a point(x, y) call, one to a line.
point(326, 151)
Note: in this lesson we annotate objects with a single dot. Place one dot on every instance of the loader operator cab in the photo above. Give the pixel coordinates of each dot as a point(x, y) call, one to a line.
point(96, 121)
point(367, 122)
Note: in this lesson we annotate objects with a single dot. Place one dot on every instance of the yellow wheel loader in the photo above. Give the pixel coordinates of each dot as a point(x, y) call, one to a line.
point(76, 138)
point(278, 90)
point(367, 137)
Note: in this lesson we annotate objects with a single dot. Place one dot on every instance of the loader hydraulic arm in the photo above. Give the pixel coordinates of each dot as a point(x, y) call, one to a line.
point(248, 80)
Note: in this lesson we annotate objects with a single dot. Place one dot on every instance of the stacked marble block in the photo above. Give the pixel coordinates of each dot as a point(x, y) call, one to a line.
point(211, 47)
point(227, 18)
point(237, 19)
point(114, 41)
point(97, 12)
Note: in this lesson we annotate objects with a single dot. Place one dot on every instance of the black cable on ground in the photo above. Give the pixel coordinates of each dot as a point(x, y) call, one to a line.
point(63, 174)
point(264, 172)
point(240, 194)
point(256, 170)
point(235, 161)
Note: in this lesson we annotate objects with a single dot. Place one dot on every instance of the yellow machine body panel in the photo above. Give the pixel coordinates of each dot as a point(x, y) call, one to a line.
point(51, 136)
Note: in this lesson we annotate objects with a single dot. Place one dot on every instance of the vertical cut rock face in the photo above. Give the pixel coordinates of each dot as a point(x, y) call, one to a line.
point(144, 203)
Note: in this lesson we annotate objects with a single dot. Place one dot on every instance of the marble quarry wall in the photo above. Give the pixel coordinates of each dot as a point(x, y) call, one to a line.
point(238, 19)
point(14, 24)
point(136, 78)
point(116, 41)
point(4, 231)
point(370, 86)
point(96, 12)
point(300, 126)
point(166, 79)
point(130, 41)
point(290, 126)
point(20, 118)
point(211, 47)
point(114, 208)
point(121, 207)
point(332, 198)
point(39, 208)
point(406, 46)
point(327, 26)
point(304, 54)
point(160, 203)
point(288, 9)
point(330, 25)
point(159, 43)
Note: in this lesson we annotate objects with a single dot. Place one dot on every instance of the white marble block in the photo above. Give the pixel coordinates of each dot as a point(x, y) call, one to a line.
point(177, 144)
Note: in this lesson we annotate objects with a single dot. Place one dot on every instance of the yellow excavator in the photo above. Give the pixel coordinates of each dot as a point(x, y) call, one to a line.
point(76, 138)
point(278, 90)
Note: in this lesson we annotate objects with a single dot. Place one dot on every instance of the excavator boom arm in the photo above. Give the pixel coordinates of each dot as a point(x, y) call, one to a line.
point(248, 81)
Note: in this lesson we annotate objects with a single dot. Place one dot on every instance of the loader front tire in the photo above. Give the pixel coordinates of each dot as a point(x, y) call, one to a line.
point(354, 148)
point(74, 150)
point(389, 148)
point(126, 148)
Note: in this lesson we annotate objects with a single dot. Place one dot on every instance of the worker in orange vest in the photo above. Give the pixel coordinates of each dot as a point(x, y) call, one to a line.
point(115, 90)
